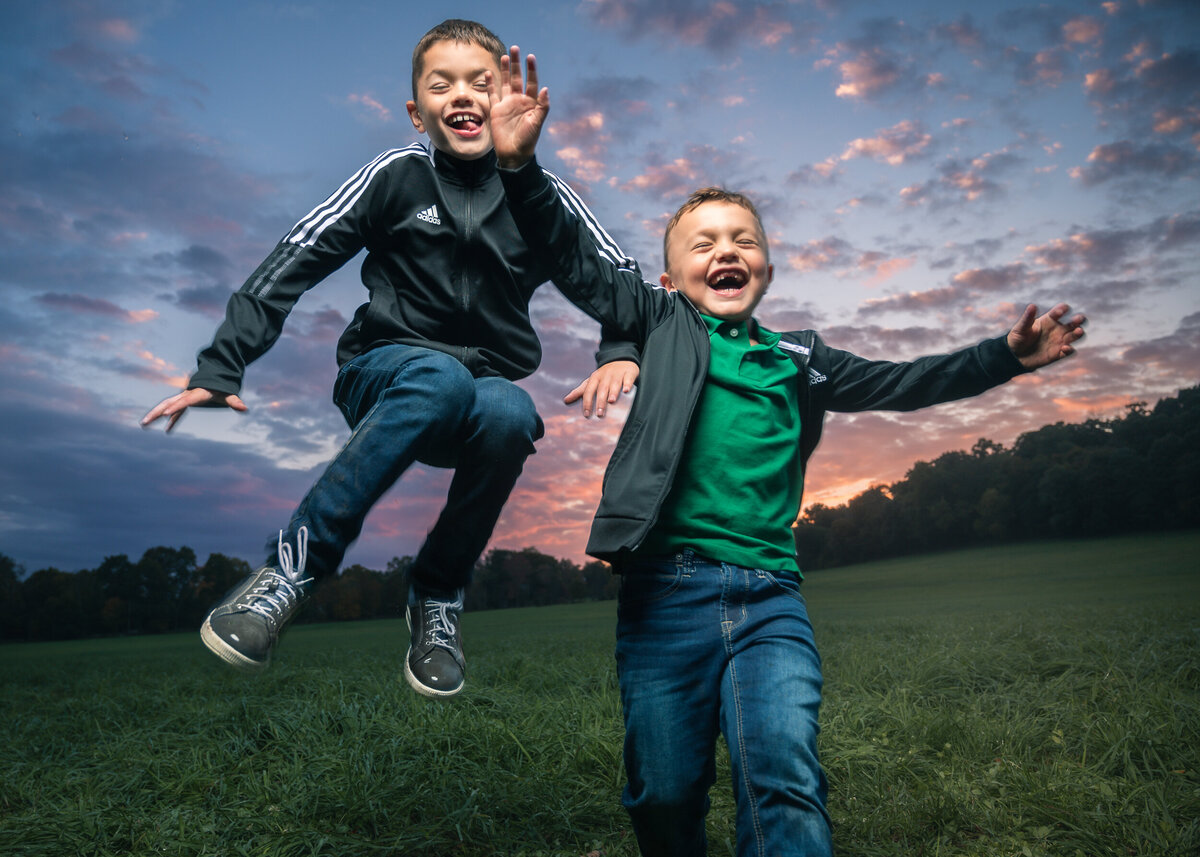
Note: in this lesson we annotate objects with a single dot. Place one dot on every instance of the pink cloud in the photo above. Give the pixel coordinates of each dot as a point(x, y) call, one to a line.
point(971, 183)
point(1098, 250)
point(569, 467)
point(896, 145)
point(817, 255)
point(1002, 278)
point(716, 25)
point(158, 369)
point(1099, 82)
point(585, 145)
point(1082, 30)
point(673, 179)
point(1049, 66)
point(81, 304)
point(371, 104)
point(118, 29)
point(911, 301)
point(585, 127)
point(883, 269)
point(867, 74)
point(1127, 158)
point(1173, 357)
point(963, 33)
point(1087, 406)
point(960, 180)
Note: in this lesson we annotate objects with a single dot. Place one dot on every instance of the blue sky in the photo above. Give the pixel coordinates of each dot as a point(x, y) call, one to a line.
point(924, 169)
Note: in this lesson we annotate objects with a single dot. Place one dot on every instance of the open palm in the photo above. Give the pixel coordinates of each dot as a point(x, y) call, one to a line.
point(518, 110)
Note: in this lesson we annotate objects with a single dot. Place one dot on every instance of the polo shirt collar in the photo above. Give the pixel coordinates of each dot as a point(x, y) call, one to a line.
point(740, 329)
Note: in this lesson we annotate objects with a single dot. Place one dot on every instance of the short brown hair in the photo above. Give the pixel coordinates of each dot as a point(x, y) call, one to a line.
point(454, 30)
point(699, 198)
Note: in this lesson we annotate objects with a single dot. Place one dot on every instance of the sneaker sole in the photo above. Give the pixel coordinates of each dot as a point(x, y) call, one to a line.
point(228, 653)
point(415, 683)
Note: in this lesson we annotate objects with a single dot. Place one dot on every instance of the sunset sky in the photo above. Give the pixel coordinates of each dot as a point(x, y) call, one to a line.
point(924, 169)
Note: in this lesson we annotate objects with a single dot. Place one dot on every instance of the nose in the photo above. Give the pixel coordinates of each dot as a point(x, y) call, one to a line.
point(726, 249)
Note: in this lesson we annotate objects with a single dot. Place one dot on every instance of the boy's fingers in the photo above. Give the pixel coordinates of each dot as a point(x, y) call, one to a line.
point(531, 85)
point(493, 95)
point(514, 68)
point(505, 76)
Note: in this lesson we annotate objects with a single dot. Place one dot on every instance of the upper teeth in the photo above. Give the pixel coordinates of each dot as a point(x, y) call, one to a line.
point(460, 117)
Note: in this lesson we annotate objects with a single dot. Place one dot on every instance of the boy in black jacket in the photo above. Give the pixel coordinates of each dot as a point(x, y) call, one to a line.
point(427, 364)
point(702, 489)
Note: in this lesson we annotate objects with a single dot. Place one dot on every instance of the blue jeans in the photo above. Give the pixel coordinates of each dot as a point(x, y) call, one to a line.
point(704, 647)
point(407, 404)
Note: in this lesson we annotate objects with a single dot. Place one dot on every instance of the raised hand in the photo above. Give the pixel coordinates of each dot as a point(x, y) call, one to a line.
point(1037, 342)
point(518, 109)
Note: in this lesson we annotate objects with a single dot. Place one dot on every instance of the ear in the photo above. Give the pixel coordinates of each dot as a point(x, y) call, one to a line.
point(415, 116)
point(770, 274)
point(665, 279)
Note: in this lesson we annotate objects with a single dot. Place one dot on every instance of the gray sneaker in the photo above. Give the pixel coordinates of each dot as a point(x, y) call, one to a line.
point(434, 665)
point(245, 626)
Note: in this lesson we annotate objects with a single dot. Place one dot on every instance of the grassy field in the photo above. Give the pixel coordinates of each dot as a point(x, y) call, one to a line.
point(1041, 699)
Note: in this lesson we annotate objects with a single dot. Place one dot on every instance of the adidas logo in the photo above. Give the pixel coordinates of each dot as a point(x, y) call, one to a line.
point(430, 215)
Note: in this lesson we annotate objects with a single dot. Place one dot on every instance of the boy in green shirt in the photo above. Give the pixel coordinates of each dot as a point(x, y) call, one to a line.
point(703, 486)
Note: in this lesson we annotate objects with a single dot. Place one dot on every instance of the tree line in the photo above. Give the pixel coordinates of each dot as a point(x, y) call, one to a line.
point(1134, 473)
point(1137, 472)
point(168, 590)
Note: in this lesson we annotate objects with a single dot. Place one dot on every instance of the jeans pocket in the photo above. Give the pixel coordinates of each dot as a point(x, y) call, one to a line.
point(341, 387)
point(784, 582)
point(650, 583)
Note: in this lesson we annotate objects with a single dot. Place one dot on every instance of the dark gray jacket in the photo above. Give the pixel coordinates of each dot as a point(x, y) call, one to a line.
point(674, 365)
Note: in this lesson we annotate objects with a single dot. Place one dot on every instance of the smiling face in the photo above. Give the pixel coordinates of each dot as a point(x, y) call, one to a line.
point(717, 256)
point(451, 98)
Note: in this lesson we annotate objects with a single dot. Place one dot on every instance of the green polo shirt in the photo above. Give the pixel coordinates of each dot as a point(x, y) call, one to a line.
point(737, 490)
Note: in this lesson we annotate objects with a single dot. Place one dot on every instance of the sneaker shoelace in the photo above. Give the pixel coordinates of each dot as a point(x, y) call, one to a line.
point(439, 621)
point(279, 590)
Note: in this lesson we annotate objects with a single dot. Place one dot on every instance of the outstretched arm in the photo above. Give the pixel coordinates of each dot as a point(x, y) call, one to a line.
point(518, 110)
point(1040, 341)
point(174, 407)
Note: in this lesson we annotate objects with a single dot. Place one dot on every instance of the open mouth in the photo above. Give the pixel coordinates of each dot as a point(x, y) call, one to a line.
point(727, 282)
point(465, 123)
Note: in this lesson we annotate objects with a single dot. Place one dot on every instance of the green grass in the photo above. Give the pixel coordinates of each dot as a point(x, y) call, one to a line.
point(1035, 700)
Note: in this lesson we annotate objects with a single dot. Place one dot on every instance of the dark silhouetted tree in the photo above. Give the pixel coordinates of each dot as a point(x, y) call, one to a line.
point(12, 602)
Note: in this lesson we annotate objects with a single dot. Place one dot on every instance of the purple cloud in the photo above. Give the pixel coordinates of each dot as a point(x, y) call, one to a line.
point(717, 25)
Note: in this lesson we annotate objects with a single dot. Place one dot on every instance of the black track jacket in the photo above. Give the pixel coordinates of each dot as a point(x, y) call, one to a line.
point(445, 268)
point(675, 356)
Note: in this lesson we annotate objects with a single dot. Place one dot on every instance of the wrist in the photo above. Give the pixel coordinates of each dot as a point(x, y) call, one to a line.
point(513, 163)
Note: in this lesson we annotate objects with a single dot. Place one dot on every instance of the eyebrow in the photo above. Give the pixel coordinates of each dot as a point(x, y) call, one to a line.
point(712, 231)
point(442, 73)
